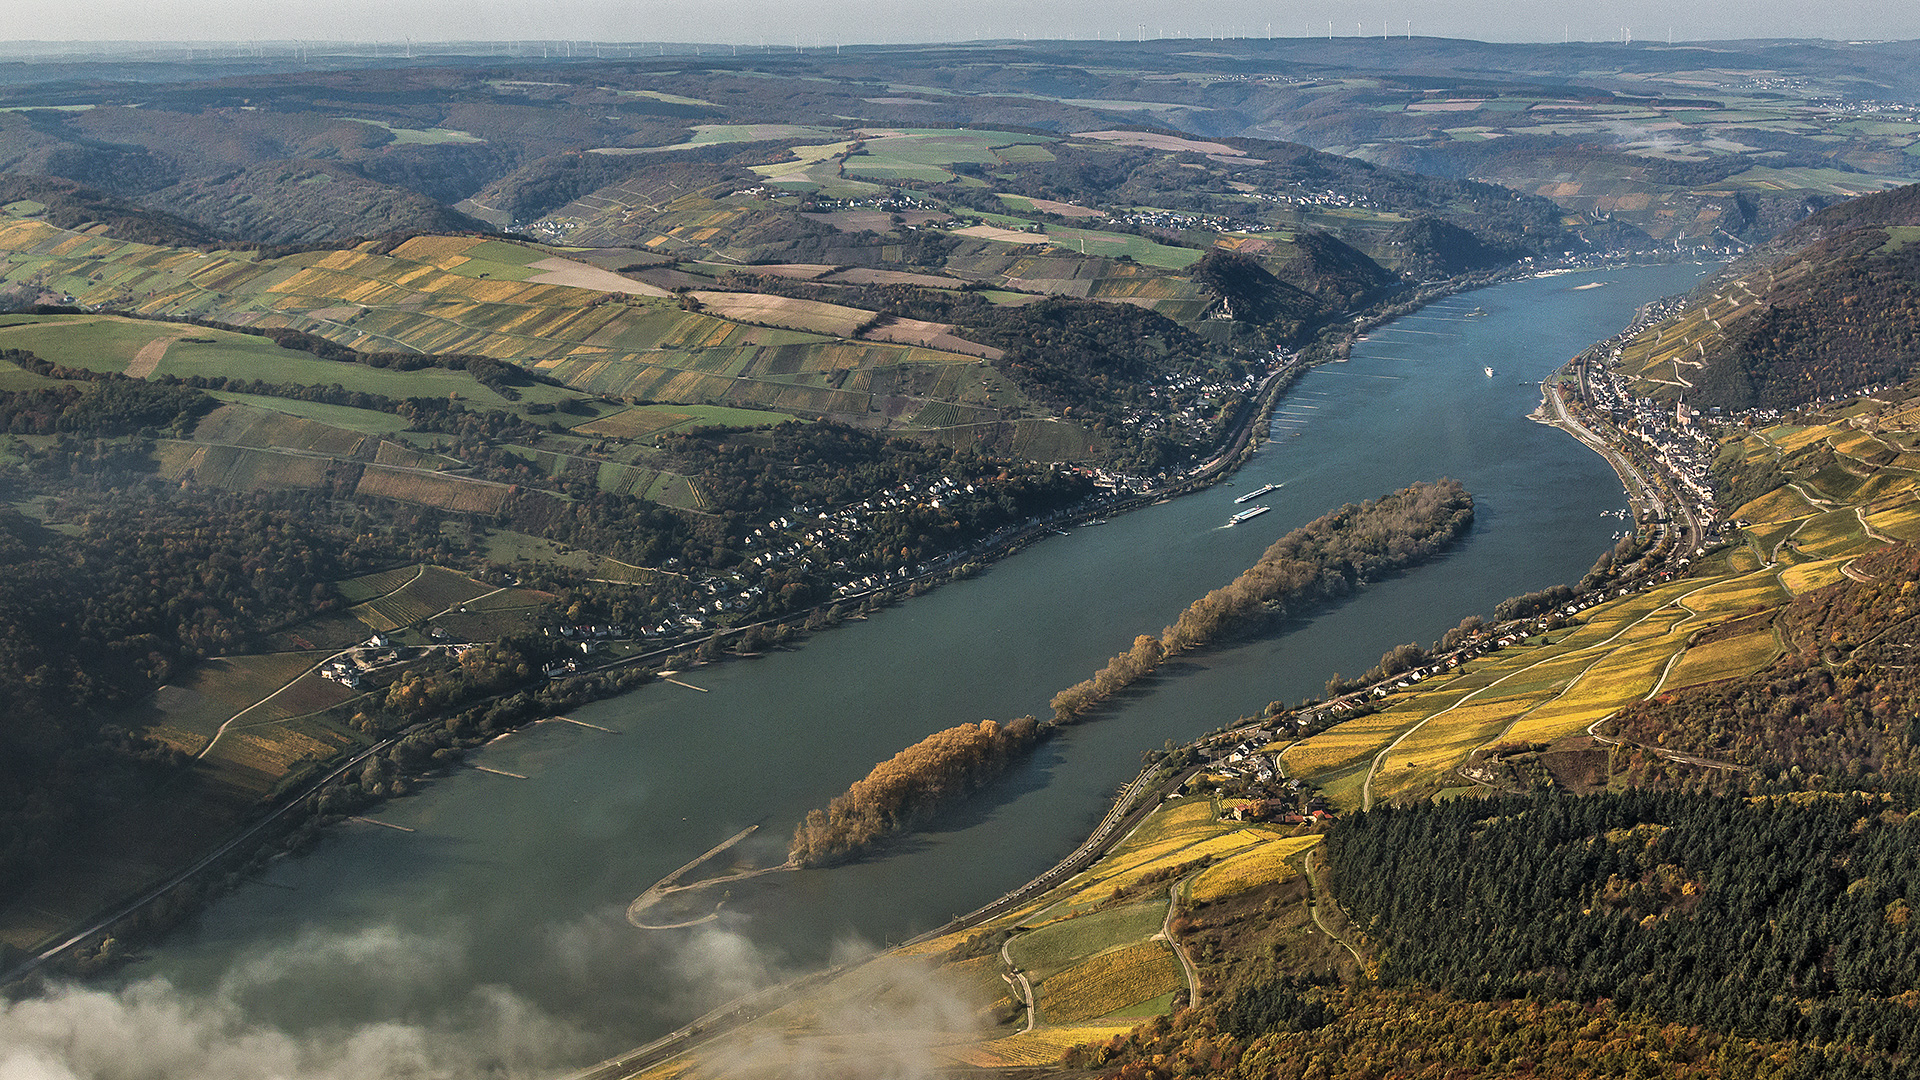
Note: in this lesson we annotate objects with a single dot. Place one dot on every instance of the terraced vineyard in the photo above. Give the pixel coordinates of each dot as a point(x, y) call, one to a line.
point(1716, 624)
point(592, 330)
point(422, 593)
point(1794, 326)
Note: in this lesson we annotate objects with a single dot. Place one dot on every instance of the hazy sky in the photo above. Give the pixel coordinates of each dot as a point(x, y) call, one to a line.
point(825, 21)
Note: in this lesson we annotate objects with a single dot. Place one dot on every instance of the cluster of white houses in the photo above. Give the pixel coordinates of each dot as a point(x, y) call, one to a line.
point(351, 667)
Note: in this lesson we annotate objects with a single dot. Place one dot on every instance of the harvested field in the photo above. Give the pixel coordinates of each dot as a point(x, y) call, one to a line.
point(796, 271)
point(446, 492)
point(810, 315)
point(147, 360)
point(1005, 236)
point(931, 335)
point(579, 275)
point(1063, 209)
point(1156, 141)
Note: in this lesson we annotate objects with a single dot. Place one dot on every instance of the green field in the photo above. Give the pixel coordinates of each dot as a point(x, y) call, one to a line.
point(1058, 945)
point(1114, 245)
point(420, 136)
point(345, 417)
point(108, 343)
point(648, 421)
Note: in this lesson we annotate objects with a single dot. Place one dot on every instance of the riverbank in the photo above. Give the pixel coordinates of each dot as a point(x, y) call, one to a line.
point(501, 871)
point(288, 822)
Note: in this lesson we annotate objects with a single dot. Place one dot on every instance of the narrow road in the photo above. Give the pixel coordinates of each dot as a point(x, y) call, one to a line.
point(1179, 950)
point(1019, 979)
point(1860, 512)
point(324, 661)
point(1317, 895)
point(1639, 491)
point(231, 720)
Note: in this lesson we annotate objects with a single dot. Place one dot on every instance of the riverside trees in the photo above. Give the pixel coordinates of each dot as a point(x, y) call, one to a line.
point(908, 785)
point(1327, 557)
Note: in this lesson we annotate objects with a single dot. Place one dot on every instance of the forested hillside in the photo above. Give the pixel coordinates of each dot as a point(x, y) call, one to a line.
point(1777, 918)
point(93, 617)
point(1831, 307)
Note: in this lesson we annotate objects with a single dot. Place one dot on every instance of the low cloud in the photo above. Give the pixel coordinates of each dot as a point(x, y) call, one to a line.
point(153, 1030)
point(411, 1011)
point(884, 1021)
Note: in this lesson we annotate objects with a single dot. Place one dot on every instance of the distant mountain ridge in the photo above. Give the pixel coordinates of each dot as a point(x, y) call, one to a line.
point(306, 202)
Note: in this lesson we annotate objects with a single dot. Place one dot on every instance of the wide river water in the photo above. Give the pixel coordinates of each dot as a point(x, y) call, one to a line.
point(498, 923)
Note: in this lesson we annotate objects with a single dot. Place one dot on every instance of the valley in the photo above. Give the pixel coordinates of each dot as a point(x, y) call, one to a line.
point(753, 417)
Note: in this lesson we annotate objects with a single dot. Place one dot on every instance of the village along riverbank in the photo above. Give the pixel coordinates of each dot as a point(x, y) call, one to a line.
point(515, 890)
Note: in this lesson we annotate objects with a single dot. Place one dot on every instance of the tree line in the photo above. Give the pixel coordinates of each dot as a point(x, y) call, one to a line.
point(108, 407)
point(1328, 557)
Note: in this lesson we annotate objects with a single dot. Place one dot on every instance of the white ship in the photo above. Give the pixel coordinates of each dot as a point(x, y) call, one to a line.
point(1252, 495)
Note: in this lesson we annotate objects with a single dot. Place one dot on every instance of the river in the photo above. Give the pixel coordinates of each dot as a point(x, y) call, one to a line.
point(498, 924)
